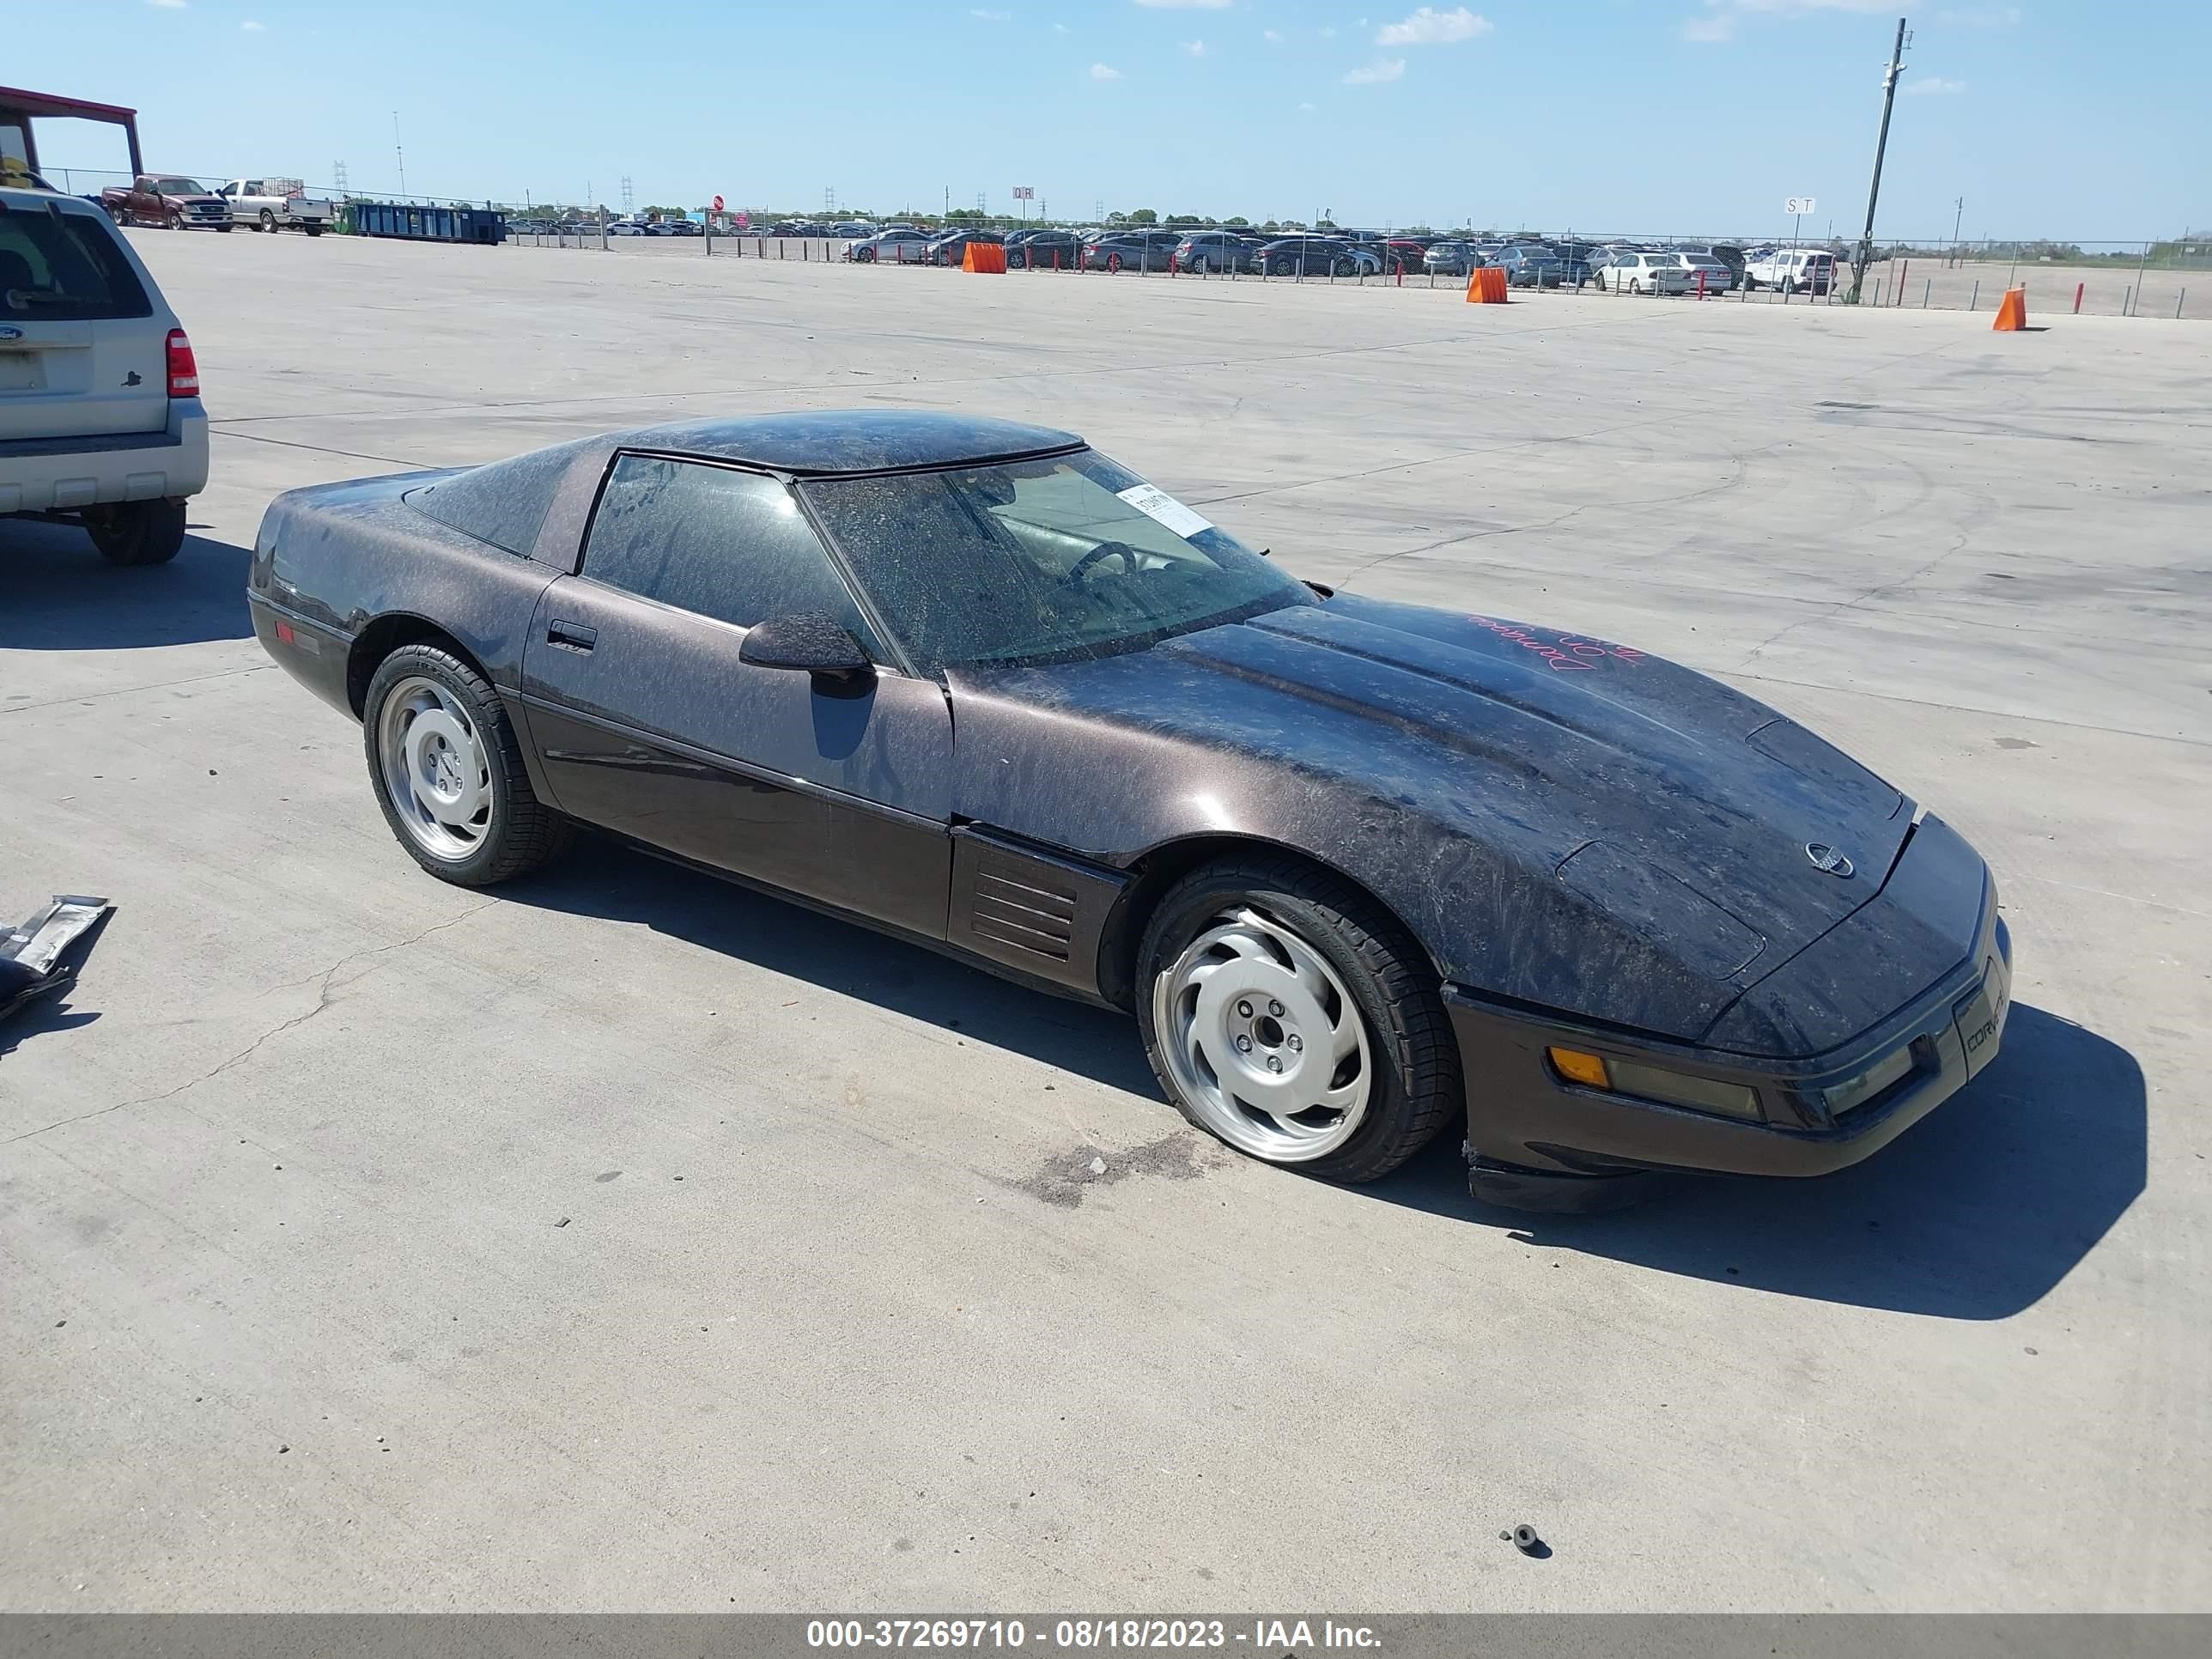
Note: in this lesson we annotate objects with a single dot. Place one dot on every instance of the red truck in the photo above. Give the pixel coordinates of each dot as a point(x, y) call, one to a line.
point(167, 199)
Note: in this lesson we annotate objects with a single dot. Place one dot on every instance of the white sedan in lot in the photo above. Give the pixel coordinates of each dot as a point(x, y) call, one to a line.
point(1633, 273)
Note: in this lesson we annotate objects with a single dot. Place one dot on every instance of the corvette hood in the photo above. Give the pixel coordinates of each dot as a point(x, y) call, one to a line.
point(1564, 821)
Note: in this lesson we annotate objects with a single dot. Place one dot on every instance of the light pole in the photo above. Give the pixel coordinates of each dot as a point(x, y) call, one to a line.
point(1864, 255)
point(398, 152)
point(1957, 219)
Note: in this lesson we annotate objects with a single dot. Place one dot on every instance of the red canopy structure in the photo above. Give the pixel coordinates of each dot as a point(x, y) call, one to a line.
point(19, 109)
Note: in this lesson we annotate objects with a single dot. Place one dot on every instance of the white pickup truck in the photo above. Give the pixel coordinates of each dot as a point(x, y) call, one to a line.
point(275, 205)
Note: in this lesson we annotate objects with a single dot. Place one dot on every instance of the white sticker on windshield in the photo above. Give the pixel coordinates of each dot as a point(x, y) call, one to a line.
point(1158, 505)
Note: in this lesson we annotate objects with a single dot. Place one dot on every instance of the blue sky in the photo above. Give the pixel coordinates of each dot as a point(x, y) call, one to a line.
point(2050, 119)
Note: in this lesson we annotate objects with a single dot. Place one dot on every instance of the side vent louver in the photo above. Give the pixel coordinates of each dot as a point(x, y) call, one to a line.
point(1036, 920)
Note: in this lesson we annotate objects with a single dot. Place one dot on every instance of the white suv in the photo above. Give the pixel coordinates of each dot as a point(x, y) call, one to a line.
point(100, 418)
point(1792, 269)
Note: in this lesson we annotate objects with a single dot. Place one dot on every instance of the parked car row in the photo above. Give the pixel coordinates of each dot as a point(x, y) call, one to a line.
point(171, 201)
point(648, 228)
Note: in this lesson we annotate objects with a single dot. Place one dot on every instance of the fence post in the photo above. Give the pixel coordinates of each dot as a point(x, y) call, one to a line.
point(1925, 292)
point(2139, 264)
point(1904, 271)
point(2078, 290)
point(709, 217)
point(1974, 303)
point(2177, 304)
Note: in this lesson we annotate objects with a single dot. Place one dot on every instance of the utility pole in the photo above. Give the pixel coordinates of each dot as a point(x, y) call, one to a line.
point(398, 152)
point(1958, 220)
point(1865, 256)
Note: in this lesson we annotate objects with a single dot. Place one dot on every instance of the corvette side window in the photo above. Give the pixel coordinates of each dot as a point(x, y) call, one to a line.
point(730, 545)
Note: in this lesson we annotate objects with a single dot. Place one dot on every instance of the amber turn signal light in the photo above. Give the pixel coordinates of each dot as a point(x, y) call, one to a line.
point(1576, 1067)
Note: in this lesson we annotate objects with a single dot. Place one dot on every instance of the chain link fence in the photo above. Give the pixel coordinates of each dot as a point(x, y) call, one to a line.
point(2165, 277)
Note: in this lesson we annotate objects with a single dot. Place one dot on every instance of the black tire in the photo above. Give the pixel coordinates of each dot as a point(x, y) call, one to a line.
point(866, 256)
point(266, 222)
point(1416, 1090)
point(1017, 261)
point(225, 229)
point(1114, 263)
point(1285, 267)
point(174, 222)
point(117, 212)
point(525, 834)
point(1342, 268)
point(313, 230)
point(136, 532)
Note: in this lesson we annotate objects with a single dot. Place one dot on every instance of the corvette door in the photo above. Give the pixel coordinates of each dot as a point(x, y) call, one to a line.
point(646, 722)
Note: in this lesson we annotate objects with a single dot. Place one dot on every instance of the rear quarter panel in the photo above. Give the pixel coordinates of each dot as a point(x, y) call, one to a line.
point(339, 557)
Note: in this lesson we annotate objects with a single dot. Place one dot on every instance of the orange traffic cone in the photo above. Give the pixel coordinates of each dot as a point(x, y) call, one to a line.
point(2011, 312)
point(1486, 286)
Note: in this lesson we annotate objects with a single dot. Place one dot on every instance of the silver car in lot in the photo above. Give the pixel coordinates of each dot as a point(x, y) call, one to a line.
point(1708, 274)
point(888, 247)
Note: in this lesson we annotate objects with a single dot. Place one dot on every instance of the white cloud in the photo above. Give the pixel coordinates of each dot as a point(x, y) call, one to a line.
point(1306, 106)
point(1429, 28)
point(1797, 7)
point(1720, 18)
point(983, 16)
point(1104, 72)
point(168, 5)
point(250, 27)
point(1195, 48)
point(1059, 28)
point(1932, 84)
point(1187, 5)
point(1374, 74)
point(1329, 33)
point(1273, 36)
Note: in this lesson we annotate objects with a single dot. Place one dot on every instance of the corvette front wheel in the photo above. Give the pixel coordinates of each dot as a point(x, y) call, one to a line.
point(1287, 1014)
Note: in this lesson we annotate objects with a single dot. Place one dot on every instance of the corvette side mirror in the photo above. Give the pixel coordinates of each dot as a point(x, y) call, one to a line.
point(821, 646)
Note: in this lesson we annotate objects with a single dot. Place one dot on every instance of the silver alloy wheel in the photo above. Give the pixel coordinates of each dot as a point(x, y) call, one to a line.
point(1262, 1041)
point(435, 769)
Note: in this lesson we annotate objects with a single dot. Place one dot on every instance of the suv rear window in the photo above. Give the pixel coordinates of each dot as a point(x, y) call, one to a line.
point(65, 267)
point(504, 502)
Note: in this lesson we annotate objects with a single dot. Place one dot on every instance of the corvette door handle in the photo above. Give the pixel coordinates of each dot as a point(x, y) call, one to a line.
point(572, 636)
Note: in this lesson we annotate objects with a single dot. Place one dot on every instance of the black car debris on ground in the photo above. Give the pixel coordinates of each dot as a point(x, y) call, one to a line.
point(1361, 870)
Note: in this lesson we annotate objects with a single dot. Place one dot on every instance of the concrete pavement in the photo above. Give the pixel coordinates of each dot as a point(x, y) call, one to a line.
point(624, 1240)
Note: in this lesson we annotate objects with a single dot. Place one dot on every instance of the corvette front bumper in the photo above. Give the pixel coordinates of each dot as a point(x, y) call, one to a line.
point(1535, 1141)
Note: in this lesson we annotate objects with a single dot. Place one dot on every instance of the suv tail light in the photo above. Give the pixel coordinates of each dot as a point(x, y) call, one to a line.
point(184, 368)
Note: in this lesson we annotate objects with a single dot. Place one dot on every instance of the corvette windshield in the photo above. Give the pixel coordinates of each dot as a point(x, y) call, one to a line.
point(1058, 558)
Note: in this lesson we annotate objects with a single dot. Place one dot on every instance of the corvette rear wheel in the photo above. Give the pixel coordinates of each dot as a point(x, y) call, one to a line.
point(1287, 1014)
point(448, 772)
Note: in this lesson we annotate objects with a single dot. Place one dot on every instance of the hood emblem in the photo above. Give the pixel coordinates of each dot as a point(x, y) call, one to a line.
point(1827, 860)
point(8, 332)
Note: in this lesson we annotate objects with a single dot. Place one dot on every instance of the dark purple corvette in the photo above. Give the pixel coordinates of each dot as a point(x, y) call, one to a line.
point(1362, 870)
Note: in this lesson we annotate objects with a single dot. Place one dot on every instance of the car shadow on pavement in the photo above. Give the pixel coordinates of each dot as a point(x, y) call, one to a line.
point(1974, 1213)
point(604, 879)
point(57, 593)
point(1977, 1211)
